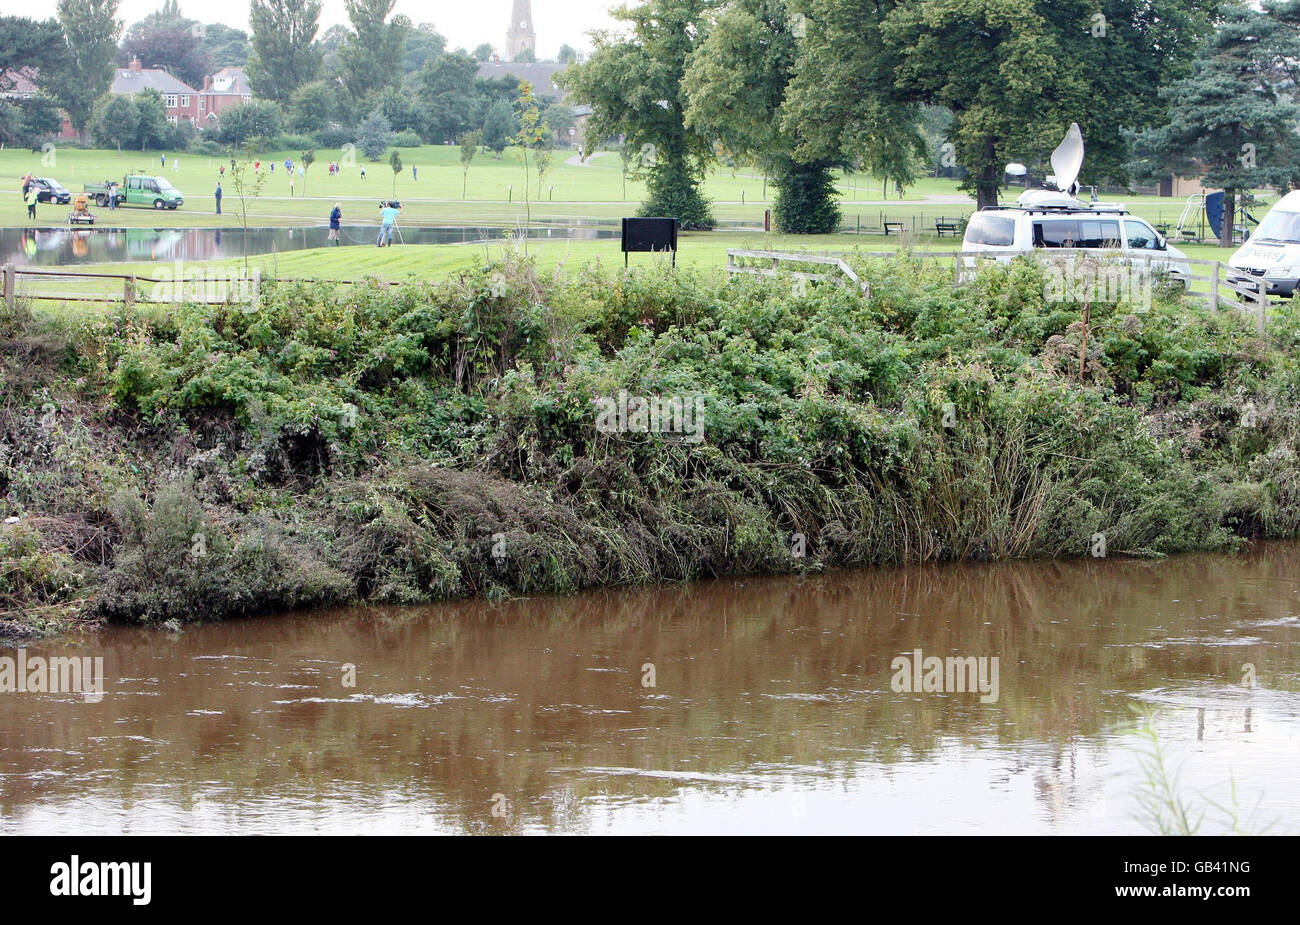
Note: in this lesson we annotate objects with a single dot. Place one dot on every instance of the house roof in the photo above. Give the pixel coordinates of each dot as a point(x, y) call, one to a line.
point(541, 75)
point(231, 80)
point(129, 81)
point(18, 83)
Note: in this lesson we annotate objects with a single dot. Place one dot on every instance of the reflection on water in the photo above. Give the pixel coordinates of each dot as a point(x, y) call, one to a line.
point(772, 709)
point(63, 246)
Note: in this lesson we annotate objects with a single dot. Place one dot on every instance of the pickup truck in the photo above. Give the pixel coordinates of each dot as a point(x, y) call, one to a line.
point(137, 190)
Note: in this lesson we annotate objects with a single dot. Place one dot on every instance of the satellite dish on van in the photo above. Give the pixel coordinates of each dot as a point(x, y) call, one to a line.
point(1067, 160)
point(1016, 170)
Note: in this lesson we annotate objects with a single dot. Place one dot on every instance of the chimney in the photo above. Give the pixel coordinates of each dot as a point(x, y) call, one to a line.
point(135, 64)
point(207, 83)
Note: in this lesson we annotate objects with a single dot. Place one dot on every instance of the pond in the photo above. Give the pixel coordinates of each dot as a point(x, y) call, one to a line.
point(69, 246)
point(739, 706)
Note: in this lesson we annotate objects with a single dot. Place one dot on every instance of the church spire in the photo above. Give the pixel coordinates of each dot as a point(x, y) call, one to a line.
point(520, 36)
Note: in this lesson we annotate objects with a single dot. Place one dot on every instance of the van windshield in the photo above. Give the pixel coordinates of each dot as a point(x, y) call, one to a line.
point(1279, 226)
point(995, 230)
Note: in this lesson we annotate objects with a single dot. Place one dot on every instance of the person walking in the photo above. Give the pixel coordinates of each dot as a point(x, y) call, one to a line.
point(218, 195)
point(336, 222)
point(363, 173)
point(164, 161)
point(415, 172)
point(387, 220)
point(290, 184)
point(32, 195)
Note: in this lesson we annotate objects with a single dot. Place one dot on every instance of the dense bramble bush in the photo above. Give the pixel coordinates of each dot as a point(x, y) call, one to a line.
point(440, 439)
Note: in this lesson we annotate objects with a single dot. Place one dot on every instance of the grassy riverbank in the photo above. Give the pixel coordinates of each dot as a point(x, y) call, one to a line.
point(348, 444)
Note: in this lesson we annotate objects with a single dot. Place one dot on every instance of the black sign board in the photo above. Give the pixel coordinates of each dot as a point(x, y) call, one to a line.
point(641, 235)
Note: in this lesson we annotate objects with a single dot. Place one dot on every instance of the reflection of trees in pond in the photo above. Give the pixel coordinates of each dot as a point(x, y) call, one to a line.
point(461, 701)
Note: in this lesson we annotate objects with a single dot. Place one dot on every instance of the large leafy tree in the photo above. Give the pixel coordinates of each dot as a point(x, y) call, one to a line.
point(27, 43)
point(166, 39)
point(634, 84)
point(284, 55)
point(842, 103)
point(736, 84)
point(116, 122)
point(1232, 120)
point(1013, 73)
point(224, 46)
point(446, 96)
point(83, 70)
point(372, 56)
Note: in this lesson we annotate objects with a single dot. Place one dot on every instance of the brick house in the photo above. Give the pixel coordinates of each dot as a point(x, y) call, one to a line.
point(226, 88)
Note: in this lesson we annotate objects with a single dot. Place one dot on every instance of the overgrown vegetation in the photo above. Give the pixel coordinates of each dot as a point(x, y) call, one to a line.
point(436, 440)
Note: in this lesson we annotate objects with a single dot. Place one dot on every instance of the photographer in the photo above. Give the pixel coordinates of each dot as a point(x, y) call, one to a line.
point(388, 212)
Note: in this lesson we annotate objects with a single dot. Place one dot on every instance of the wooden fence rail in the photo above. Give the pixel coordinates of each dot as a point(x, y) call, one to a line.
point(1227, 288)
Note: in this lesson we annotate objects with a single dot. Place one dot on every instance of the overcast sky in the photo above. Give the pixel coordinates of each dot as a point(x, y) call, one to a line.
point(465, 24)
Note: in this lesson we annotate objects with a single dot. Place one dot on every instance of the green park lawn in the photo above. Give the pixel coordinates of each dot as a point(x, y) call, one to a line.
point(492, 196)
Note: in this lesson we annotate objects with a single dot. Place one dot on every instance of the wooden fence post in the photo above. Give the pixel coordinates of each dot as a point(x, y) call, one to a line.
point(128, 291)
point(11, 286)
point(1261, 318)
point(1214, 285)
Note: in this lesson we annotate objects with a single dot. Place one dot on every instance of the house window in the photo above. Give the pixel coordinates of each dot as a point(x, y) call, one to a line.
point(248, 99)
point(185, 102)
point(170, 100)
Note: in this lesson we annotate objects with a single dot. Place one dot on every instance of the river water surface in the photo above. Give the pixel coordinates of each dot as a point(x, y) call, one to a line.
point(771, 710)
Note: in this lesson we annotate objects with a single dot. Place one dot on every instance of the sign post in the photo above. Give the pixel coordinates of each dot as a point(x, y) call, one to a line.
point(650, 235)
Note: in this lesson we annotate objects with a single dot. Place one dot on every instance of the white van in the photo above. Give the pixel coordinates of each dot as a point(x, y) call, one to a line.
point(1272, 255)
point(1049, 219)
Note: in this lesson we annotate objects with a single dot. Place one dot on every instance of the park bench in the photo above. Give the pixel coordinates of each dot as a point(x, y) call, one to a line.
point(943, 226)
point(892, 227)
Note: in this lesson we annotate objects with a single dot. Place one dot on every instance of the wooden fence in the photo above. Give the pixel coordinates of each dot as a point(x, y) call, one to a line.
point(1209, 281)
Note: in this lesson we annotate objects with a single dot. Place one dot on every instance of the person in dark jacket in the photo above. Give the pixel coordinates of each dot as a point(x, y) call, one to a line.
point(336, 219)
point(218, 195)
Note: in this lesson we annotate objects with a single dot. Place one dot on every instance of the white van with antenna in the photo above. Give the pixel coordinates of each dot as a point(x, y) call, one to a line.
point(1052, 218)
point(1272, 255)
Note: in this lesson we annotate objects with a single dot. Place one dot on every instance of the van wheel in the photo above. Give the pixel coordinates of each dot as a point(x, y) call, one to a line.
point(159, 204)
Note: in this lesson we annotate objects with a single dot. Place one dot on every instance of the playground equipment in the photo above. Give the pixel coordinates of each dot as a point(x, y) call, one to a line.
point(1203, 212)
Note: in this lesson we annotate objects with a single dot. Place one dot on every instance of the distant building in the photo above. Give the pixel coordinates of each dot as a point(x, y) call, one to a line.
point(520, 37)
point(18, 83)
point(226, 88)
point(180, 99)
point(541, 75)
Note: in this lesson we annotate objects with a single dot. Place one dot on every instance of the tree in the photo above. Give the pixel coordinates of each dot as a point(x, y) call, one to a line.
point(152, 128)
point(483, 52)
point(423, 44)
point(1228, 121)
point(469, 144)
point(374, 135)
point(312, 106)
point(308, 158)
point(368, 60)
point(168, 40)
point(532, 136)
point(284, 55)
point(526, 56)
point(224, 46)
point(1014, 73)
point(445, 95)
point(634, 85)
point(116, 121)
point(82, 73)
point(567, 54)
point(736, 84)
point(498, 126)
point(26, 43)
point(395, 162)
point(559, 119)
point(249, 124)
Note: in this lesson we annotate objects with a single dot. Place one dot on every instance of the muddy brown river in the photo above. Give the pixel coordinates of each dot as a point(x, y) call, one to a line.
point(748, 706)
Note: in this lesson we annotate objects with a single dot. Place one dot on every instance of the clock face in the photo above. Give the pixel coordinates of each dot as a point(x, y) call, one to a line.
point(523, 24)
